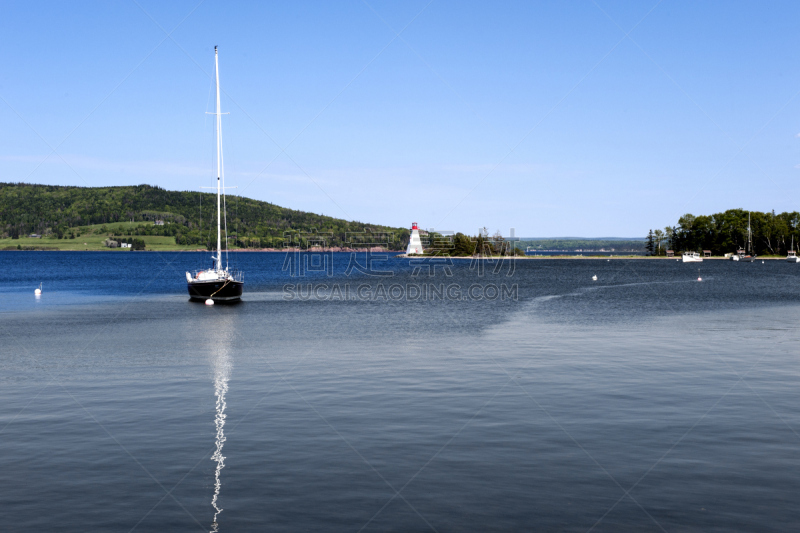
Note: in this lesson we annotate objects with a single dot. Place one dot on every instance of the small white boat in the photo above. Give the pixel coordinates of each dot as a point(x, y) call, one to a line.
point(691, 257)
point(791, 255)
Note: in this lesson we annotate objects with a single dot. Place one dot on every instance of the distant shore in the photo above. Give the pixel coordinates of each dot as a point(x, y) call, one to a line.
point(591, 257)
point(375, 249)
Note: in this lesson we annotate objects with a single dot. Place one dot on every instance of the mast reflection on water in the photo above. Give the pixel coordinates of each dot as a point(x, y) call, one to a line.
point(221, 364)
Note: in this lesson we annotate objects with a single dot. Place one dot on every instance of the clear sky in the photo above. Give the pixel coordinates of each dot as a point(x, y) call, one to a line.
point(586, 118)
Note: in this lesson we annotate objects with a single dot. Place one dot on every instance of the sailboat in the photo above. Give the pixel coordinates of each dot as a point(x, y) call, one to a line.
point(791, 255)
point(748, 256)
point(217, 283)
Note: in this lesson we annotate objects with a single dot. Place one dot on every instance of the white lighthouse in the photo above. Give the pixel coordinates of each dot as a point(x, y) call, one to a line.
point(414, 243)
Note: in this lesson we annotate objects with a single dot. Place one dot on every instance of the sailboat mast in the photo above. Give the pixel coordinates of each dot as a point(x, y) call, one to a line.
point(219, 162)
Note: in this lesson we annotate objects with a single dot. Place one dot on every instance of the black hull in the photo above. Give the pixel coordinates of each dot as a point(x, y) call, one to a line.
point(202, 290)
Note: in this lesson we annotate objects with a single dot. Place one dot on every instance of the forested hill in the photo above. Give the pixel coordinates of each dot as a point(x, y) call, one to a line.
point(54, 211)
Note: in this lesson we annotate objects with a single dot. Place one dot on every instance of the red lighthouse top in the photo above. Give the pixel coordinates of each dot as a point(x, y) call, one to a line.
point(414, 225)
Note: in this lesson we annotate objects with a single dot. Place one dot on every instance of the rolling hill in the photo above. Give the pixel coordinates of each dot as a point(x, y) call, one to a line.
point(189, 218)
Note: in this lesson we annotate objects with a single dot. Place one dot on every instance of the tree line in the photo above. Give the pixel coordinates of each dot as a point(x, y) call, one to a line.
point(462, 245)
point(726, 232)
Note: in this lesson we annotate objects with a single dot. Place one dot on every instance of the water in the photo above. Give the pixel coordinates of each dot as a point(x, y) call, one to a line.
point(643, 401)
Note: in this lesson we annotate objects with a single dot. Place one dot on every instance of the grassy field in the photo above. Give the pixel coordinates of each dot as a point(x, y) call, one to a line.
point(91, 238)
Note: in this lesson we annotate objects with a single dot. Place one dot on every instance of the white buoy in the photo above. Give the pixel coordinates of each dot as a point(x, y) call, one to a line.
point(38, 291)
point(762, 262)
point(594, 278)
point(209, 302)
point(699, 279)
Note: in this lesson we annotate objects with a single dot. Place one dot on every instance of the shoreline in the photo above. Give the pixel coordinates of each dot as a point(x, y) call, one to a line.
point(588, 257)
point(396, 253)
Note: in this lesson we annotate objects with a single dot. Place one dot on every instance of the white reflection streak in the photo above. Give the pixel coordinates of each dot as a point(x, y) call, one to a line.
point(222, 367)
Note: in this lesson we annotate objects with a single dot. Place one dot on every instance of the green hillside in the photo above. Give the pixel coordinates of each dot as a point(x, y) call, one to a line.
point(64, 215)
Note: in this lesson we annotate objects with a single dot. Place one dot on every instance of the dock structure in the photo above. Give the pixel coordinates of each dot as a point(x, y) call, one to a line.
point(414, 242)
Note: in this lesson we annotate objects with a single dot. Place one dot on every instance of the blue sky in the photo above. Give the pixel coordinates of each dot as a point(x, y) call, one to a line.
point(554, 118)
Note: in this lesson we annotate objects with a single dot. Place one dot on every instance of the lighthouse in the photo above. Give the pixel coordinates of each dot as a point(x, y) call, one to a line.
point(414, 243)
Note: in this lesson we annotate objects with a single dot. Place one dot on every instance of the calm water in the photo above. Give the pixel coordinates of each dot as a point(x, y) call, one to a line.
point(643, 401)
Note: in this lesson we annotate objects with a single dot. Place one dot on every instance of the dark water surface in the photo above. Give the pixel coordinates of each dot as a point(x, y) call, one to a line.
point(643, 401)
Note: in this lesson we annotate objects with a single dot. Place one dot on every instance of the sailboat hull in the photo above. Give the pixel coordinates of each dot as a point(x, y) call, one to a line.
point(203, 290)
